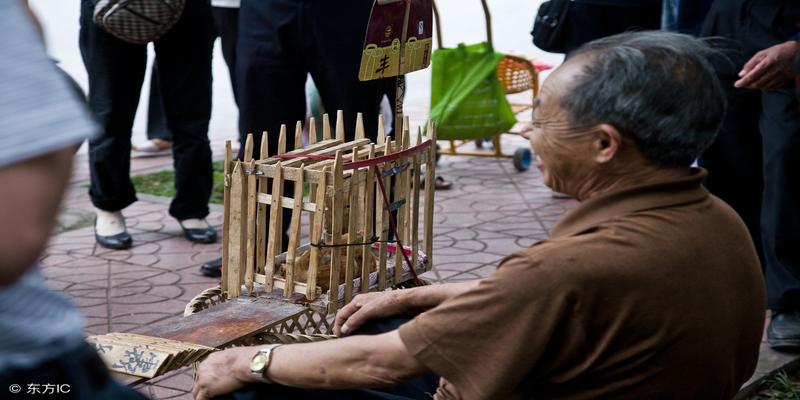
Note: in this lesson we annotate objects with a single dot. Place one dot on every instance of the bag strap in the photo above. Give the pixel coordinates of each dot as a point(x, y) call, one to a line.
point(486, 13)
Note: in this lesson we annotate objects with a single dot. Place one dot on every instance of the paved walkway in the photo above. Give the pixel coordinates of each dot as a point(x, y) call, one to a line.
point(491, 212)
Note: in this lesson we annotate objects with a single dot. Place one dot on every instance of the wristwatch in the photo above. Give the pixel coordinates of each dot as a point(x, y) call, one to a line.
point(260, 362)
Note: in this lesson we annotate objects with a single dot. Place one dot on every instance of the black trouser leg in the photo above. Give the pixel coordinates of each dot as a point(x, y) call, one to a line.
point(587, 22)
point(780, 220)
point(184, 66)
point(734, 159)
point(116, 71)
point(156, 121)
point(227, 24)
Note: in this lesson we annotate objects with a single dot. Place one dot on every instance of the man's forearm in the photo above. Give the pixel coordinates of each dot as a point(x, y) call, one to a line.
point(425, 297)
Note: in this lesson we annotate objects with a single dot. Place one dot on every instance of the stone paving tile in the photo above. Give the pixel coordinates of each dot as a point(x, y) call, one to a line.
point(491, 212)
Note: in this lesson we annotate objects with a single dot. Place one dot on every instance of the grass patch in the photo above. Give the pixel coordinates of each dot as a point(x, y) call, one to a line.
point(162, 183)
point(780, 386)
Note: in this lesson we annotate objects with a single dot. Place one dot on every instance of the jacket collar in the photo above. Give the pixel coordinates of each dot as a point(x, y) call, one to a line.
point(607, 206)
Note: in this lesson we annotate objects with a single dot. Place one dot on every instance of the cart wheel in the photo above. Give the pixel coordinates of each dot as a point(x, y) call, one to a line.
point(522, 159)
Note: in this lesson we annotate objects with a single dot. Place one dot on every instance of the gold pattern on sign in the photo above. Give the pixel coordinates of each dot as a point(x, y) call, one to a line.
point(418, 54)
point(379, 62)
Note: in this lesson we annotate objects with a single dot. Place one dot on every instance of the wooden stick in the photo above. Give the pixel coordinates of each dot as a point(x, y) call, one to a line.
point(381, 139)
point(275, 228)
point(359, 126)
point(352, 234)
point(326, 127)
point(237, 251)
point(430, 178)
point(294, 235)
point(407, 175)
point(381, 215)
point(312, 131)
point(248, 148)
point(415, 203)
point(367, 263)
point(340, 125)
point(298, 136)
point(250, 224)
point(336, 231)
point(282, 140)
point(400, 218)
point(316, 236)
point(261, 216)
point(226, 212)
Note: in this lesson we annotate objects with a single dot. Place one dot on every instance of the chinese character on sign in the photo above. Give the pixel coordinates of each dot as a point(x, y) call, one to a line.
point(136, 361)
point(384, 65)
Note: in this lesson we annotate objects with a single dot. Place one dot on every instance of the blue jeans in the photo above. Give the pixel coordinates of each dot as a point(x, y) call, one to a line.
point(421, 387)
point(116, 72)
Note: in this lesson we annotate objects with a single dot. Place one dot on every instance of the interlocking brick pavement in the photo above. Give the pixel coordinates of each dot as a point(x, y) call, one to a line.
point(492, 211)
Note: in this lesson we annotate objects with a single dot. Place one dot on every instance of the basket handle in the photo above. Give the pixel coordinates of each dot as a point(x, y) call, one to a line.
point(487, 15)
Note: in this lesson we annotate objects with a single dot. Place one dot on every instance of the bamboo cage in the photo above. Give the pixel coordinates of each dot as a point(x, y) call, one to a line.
point(360, 198)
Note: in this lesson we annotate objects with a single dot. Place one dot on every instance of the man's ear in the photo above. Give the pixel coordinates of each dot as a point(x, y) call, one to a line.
point(607, 143)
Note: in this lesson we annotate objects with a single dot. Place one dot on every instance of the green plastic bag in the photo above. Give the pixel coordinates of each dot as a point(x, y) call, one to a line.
point(467, 101)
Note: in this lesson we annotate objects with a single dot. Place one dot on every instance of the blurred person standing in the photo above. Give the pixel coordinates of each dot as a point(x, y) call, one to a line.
point(588, 20)
point(754, 164)
point(41, 333)
point(116, 71)
point(159, 139)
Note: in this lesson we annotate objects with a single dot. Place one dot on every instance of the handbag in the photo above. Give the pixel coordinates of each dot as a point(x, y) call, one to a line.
point(549, 28)
point(137, 21)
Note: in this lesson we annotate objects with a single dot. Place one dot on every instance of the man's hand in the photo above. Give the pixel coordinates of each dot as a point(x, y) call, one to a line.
point(368, 306)
point(769, 69)
point(224, 372)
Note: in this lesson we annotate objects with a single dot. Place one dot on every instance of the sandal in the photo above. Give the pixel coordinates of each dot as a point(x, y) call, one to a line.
point(153, 148)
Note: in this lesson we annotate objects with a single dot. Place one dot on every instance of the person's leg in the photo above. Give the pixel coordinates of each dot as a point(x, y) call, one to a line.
point(156, 122)
point(270, 76)
point(116, 71)
point(336, 34)
point(780, 217)
point(734, 160)
point(227, 24)
point(184, 65)
point(587, 22)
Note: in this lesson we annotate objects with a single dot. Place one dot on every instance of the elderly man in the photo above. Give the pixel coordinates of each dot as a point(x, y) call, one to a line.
point(650, 289)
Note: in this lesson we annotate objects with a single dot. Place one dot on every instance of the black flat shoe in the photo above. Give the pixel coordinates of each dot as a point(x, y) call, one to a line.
point(783, 332)
point(201, 235)
point(119, 241)
point(212, 268)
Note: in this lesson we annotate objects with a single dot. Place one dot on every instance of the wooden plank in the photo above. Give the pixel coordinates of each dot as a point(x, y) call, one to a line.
point(282, 140)
point(286, 202)
point(297, 287)
point(250, 231)
point(352, 236)
point(248, 148)
point(367, 264)
point(430, 177)
point(226, 212)
point(298, 136)
point(359, 126)
point(312, 131)
point(400, 217)
point(345, 146)
point(226, 323)
point(381, 215)
point(309, 149)
point(236, 241)
point(316, 237)
point(294, 236)
point(415, 200)
point(261, 216)
point(275, 234)
point(336, 227)
point(326, 127)
point(340, 125)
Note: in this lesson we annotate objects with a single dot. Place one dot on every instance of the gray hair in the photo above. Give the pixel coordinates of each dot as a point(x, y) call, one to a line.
point(657, 87)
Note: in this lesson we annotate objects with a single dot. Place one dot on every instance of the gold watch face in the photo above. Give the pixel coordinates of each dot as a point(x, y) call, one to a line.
point(258, 362)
